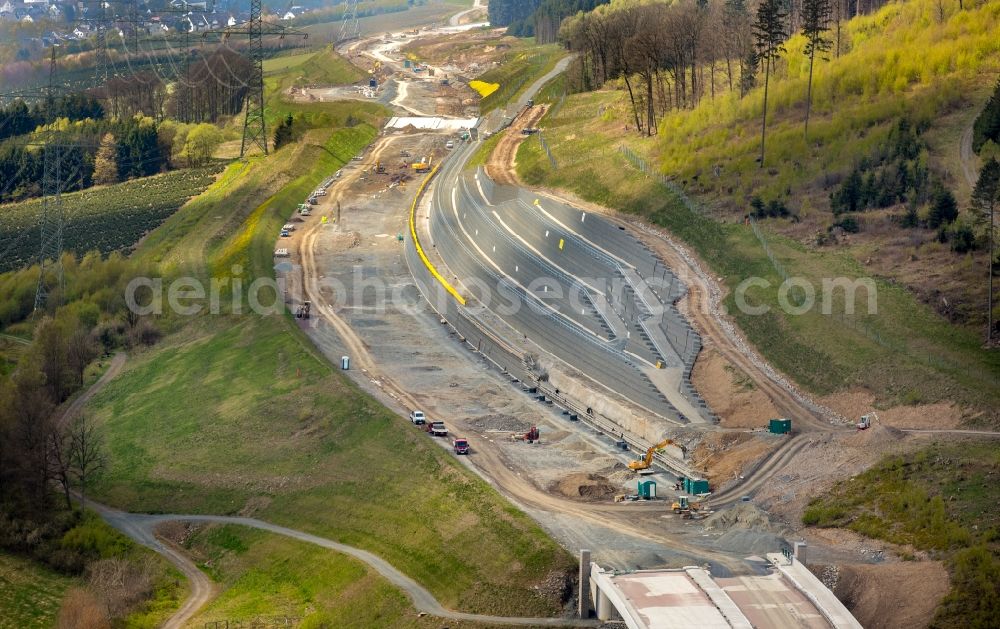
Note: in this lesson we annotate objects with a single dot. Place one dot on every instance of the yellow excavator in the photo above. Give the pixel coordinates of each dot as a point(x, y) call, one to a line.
point(646, 461)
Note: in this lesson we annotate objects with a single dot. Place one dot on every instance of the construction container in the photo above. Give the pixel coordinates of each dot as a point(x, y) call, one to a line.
point(695, 486)
point(780, 426)
point(373, 82)
point(647, 489)
point(406, 63)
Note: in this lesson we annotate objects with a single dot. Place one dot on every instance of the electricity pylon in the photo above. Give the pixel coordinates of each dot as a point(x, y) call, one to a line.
point(350, 28)
point(254, 126)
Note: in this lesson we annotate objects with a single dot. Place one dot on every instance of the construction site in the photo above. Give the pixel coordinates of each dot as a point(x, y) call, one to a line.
point(673, 516)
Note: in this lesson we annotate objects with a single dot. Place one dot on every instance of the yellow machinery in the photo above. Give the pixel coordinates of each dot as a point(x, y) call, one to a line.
point(646, 461)
point(422, 166)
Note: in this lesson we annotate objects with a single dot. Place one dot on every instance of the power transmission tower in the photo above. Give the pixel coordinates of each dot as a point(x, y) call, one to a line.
point(350, 28)
point(102, 69)
point(53, 219)
point(254, 126)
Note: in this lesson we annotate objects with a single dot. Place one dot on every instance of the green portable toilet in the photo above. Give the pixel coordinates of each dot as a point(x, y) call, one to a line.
point(647, 489)
point(780, 426)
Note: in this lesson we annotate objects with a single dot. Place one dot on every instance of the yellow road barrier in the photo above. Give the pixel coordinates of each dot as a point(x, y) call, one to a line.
point(416, 241)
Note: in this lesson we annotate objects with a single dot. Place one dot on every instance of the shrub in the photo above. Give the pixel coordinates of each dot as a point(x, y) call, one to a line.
point(944, 208)
point(80, 610)
point(962, 238)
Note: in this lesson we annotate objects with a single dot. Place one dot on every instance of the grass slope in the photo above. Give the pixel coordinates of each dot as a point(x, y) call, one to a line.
point(905, 353)
point(518, 69)
point(944, 500)
point(267, 576)
point(238, 414)
point(30, 594)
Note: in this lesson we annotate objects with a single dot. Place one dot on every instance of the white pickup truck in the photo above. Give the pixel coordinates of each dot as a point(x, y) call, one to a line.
point(418, 418)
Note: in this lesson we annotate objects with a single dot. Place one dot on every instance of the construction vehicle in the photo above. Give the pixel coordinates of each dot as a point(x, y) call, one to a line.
point(866, 421)
point(685, 507)
point(303, 310)
point(461, 446)
point(531, 436)
point(646, 461)
point(422, 166)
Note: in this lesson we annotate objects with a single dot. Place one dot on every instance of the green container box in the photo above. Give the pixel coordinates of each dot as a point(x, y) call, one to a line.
point(647, 489)
point(695, 486)
point(780, 426)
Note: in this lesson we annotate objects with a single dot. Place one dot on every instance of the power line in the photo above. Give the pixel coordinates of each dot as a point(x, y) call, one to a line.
point(350, 28)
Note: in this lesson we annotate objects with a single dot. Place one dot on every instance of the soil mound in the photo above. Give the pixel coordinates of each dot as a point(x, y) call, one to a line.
point(590, 487)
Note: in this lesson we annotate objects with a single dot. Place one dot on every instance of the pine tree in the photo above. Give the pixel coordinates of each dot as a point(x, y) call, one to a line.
point(770, 32)
point(985, 199)
point(815, 25)
point(105, 162)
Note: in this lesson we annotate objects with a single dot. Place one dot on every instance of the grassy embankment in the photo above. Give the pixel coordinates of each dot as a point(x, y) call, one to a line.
point(31, 593)
point(237, 414)
point(266, 575)
point(518, 69)
point(943, 500)
point(904, 354)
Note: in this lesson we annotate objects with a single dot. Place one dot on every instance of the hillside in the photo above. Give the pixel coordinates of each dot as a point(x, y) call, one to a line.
point(237, 413)
point(904, 353)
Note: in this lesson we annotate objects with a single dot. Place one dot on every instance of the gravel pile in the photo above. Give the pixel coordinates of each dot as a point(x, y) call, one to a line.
point(499, 422)
point(742, 516)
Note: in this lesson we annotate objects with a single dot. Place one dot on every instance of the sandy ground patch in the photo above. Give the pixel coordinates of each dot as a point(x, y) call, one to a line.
point(730, 392)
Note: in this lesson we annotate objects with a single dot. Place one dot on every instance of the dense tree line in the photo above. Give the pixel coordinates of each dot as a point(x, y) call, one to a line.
point(142, 93)
point(212, 87)
point(137, 152)
point(44, 454)
point(544, 21)
point(508, 12)
point(18, 118)
point(674, 54)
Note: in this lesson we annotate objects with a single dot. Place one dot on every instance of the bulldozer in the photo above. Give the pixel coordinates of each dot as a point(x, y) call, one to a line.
point(684, 507)
point(645, 462)
point(866, 421)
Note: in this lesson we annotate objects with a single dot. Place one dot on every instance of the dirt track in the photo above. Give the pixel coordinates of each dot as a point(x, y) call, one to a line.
point(502, 162)
point(489, 462)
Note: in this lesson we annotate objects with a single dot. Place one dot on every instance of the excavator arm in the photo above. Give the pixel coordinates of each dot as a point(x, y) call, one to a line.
point(647, 460)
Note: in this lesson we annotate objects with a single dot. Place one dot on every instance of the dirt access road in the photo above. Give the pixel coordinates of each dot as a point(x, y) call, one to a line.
point(502, 163)
point(488, 460)
point(142, 529)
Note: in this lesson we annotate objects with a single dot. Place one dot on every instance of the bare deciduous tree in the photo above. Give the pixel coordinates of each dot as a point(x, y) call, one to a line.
point(87, 456)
